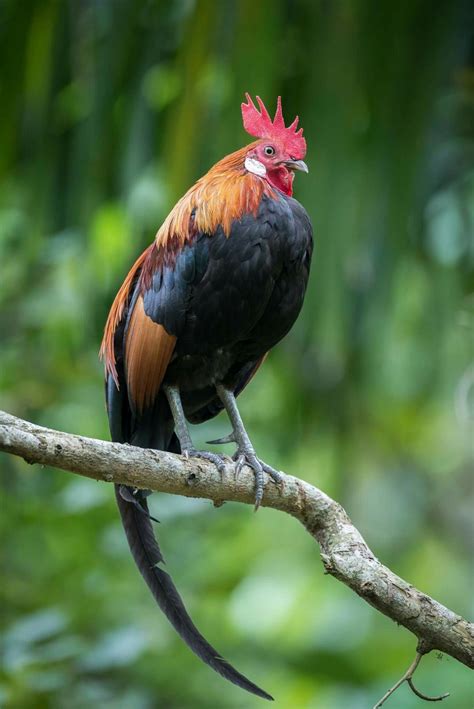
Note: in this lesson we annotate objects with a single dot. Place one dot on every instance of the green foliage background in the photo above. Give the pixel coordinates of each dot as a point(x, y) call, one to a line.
point(110, 109)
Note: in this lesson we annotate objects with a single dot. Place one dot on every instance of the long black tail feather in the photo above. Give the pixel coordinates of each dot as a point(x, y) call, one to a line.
point(148, 557)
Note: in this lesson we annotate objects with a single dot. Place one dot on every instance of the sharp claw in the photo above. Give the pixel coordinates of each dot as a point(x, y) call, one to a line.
point(259, 486)
point(258, 497)
point(247, 457)
point(230, 438)
point(279, 482)
point(250, 459)
point(276, 475)
point(239, 465)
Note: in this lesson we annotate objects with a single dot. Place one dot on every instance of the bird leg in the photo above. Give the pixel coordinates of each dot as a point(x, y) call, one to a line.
point(181, 430)
point(245, 454)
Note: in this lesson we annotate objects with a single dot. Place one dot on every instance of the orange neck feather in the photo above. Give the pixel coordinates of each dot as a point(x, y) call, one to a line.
point(222, 195)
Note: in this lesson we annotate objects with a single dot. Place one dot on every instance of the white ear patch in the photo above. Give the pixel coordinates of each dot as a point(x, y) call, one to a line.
point(255, 166)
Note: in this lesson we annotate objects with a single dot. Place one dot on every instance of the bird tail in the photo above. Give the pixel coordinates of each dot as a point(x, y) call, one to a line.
point(147, 555)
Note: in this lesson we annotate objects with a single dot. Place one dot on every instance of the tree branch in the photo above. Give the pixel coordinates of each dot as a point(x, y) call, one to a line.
point(408, 677)
point(344, 553)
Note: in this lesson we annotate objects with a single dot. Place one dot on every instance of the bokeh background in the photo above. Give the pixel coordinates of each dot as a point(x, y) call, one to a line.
point(110, 109)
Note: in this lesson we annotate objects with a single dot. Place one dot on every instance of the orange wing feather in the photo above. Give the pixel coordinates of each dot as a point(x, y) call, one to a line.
point(116, 313)
point(148, 350)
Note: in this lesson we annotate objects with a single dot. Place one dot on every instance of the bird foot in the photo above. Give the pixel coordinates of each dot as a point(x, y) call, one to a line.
point(247, 456)
point(218, 460)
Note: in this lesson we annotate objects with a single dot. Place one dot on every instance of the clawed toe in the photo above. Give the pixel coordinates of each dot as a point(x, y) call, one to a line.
point(275, 475)
point(218, 460)
point(249, 458)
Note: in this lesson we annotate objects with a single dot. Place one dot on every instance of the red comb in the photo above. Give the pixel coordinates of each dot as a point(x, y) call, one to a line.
point(259, 124)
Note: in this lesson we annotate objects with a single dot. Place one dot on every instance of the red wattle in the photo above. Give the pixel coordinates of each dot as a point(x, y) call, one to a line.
point(282, 179)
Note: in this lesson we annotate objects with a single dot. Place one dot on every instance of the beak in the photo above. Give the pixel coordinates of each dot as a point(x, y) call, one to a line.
point(297, 165)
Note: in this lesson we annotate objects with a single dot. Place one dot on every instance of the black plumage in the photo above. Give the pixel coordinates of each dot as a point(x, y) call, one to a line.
point(222, 283)
point(228, 300)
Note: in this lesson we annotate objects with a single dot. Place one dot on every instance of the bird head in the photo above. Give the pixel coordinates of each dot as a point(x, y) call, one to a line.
point(280, 150)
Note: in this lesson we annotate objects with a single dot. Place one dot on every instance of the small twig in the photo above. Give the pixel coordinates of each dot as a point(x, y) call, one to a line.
point(407, 677)
point(416, 691)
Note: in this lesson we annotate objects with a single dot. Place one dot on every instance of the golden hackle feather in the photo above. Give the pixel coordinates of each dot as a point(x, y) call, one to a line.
point(220, 197)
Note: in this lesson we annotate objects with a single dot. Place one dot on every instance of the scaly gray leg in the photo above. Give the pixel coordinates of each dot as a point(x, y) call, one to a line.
point(245, 453)
point(181, 430)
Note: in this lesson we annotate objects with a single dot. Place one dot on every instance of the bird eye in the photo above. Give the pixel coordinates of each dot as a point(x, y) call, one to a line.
point(269, 150)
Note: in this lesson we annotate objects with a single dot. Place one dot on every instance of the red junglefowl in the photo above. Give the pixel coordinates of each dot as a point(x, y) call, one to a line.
point(222, 283)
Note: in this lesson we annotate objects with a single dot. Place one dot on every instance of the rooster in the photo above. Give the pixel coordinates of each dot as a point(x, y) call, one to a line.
point(222, 283)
